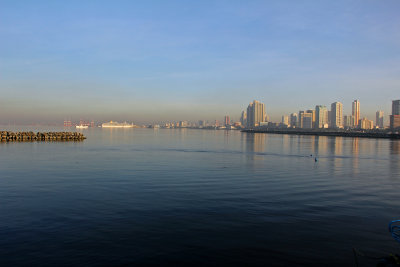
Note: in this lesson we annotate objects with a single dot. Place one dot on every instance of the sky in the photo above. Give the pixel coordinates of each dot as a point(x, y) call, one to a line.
point(152, 61)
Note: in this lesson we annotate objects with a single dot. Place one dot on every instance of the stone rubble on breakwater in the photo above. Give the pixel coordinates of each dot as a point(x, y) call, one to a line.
point(6, 136)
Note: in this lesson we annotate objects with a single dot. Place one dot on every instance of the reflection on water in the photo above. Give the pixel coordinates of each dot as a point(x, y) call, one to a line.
point(395, 147)
point(342, 153)
point(255, 143)
point(354, 151)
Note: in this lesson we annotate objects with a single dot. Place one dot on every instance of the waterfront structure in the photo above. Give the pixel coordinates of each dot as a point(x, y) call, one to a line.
point(114, 124)
point(301, 117)
point(227, 120)
point(293, 120)
point(379, 118)
point(337, 115)
point(395, 117)
point(285, 120)
point(321, 116)
point(366, 124)
point(307, 121)
point(355, 107)
point(311, 111)
point(67, 123)
point(183, 124)
point(202, 123)
point(243, 118)
point(348, 121)
point(329, 118)
point(255, 114)
point(394, 122)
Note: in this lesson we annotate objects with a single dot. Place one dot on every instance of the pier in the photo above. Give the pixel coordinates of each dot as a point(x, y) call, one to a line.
point(7, 136)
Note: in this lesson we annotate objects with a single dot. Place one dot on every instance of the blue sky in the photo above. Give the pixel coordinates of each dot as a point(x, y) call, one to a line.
point(189, 60)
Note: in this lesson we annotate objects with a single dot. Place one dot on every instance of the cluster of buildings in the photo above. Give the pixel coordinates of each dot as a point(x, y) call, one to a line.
point(320, 117)
point(227, 123)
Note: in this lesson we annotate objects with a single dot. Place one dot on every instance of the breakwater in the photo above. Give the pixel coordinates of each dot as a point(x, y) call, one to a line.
point(328, 133)
point(6, 136)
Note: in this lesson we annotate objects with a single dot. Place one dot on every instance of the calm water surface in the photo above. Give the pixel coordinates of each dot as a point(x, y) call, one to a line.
point(197, 197)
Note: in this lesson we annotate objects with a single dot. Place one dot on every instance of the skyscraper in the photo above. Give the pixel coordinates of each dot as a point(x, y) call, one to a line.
point(321, 116)
point(243, 118)
point(396, 107)
point(329, 118)
point(307, 121)
point(255, 114)
point(355, 107)
point(293, 120)
point(312, 112)
point(337, 115)
point(395, 117)
point(285, 120)
point(379, 118)
point(300, 119)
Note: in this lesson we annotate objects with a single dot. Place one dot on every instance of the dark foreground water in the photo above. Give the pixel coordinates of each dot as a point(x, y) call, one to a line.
point(197, 197)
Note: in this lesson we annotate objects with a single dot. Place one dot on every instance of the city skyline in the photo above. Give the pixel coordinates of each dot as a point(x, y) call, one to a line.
point(191, 61)
point(316, 121)
point(319, 118)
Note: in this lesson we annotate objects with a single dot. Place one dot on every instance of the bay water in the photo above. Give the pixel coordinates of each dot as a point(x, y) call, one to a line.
point(131, 197)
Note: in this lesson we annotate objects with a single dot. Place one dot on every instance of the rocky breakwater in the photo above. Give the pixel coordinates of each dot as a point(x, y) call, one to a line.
point(6, 136)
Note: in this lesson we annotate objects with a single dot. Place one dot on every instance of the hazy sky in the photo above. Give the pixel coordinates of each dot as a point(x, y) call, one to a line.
point(188, 60)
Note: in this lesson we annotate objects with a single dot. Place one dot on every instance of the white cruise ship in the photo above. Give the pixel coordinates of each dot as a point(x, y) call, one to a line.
point(114, 124)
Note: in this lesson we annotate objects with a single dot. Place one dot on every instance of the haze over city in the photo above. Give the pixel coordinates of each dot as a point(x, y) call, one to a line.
point(174, 60)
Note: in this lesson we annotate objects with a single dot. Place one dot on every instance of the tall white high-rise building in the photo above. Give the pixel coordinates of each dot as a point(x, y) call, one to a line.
point(321, 116)
point(255, 114)
point(355, 112)
point(337, 115)
point(379, 118)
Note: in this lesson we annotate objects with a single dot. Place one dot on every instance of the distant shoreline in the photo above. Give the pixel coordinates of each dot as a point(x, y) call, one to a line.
point(327, 133)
